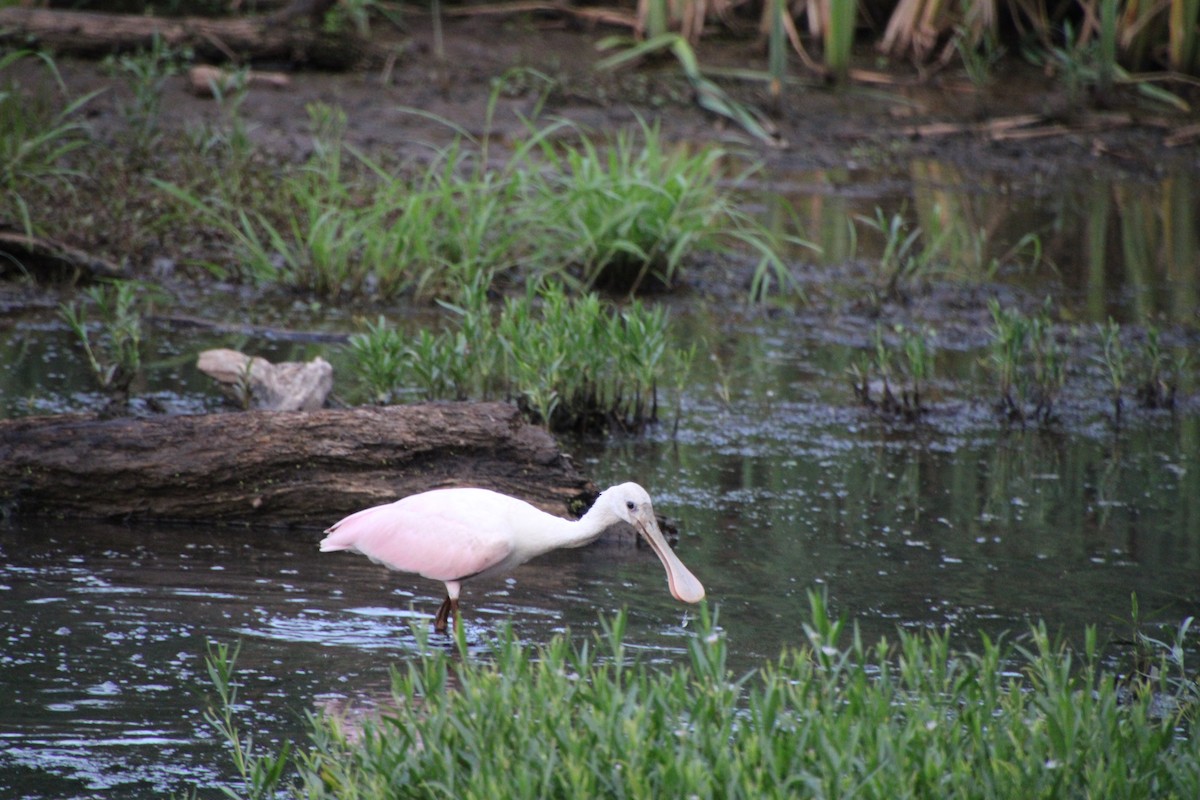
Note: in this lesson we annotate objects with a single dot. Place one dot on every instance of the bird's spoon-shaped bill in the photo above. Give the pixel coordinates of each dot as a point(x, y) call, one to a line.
point(683, 584)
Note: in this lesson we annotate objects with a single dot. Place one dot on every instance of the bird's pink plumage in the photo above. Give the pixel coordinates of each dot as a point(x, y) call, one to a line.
point(423, 534)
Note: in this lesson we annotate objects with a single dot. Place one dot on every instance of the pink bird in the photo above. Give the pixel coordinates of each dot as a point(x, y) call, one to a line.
point(454, 535)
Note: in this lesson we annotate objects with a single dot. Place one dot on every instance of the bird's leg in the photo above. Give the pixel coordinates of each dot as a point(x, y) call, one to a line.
point(439, 621)
point(444, 611)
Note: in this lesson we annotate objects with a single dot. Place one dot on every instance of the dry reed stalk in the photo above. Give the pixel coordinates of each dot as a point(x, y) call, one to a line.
point(914, 28)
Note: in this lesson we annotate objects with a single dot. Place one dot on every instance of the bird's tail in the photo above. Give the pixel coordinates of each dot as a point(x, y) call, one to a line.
point(343, 534)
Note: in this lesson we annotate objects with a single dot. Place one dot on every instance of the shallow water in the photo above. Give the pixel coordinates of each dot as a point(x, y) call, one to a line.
point(106, 627)
point(777, 482)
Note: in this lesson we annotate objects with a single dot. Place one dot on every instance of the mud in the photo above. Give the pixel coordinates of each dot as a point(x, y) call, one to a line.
point(541, 66)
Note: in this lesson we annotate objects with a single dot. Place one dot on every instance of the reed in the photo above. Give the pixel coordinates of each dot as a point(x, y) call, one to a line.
point(1105, 43)
point(841, 17)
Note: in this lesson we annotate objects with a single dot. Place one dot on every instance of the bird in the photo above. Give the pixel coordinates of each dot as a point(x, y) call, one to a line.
point(459, 534)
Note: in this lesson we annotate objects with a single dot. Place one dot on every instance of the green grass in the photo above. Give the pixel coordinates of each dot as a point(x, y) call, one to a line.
point(146, 72)
point(632, 213)
point(618, 214)
point(36, 137)
point(911, 717)
point(571, 363)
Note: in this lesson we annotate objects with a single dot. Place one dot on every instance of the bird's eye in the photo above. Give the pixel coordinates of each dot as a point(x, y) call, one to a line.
point(629, 504)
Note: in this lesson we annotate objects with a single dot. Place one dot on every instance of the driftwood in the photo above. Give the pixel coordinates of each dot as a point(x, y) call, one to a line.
point(276, 468)
point(242, 39)
point(205, 80)
point(49, 259)
point(254, 382)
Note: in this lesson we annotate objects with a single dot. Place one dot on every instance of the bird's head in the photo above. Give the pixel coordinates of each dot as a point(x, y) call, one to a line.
point(631, 503)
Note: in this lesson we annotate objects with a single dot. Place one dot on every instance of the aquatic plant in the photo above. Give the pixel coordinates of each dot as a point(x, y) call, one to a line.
point(836, 716)
point(908, 253)
point(1158, 379)
point(1029, 366)
point(570, 362)
point(890, 379)
point(1115, 362)
point(262, 773)
point(113, 344)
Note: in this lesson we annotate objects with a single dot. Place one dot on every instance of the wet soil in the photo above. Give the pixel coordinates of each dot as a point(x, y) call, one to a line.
point(878, 121)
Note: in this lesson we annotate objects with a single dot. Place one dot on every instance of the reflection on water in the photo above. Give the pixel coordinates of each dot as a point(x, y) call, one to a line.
point(1129, 249)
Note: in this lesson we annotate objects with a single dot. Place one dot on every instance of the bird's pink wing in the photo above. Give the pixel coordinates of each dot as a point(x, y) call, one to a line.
point(445, 535)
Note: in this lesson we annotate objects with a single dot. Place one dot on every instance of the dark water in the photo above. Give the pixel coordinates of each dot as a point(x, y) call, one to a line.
point(105, 627)
point(777, 482)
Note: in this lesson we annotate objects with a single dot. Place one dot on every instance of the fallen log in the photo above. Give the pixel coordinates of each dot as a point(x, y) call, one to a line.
point(242, 39)
point(276, 468)
point(45, 258)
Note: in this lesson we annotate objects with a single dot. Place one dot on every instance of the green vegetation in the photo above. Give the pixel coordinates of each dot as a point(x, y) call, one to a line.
point(260, 772)
point(908, 255)
point(938, 244)
point(708, 95)
point(147, 72)
point(1027, 363)
point(570, 363)
point(632, 214)
point(1115, 362)
point(36, 137)
point(113, 344)
point(891, 378)
point(619, 217)
point(836, 717)
point(1159, 374)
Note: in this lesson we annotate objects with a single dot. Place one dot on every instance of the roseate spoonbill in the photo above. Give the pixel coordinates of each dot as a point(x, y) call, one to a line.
point(454, 535)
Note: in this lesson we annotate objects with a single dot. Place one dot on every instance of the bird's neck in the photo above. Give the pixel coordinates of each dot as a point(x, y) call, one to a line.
point(560, 532)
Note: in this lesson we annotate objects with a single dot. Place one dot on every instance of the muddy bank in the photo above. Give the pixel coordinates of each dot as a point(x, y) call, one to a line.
point(541, 66)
